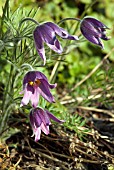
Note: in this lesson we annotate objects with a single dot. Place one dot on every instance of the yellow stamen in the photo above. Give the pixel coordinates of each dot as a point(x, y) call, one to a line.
point(37, 82)
point(31, 83)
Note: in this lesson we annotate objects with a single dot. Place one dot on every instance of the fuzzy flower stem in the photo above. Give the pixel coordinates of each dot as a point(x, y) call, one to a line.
point(28, 19)
point(26, 65)
point(65, 19)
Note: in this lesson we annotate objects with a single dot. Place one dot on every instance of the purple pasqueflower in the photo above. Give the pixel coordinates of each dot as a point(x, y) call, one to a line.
point(40, 121)
point(35, 84)
point(93, 30)
point(46, 32)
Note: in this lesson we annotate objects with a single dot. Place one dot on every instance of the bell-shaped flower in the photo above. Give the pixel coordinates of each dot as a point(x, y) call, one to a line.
point(35, 84)
point(40, 121)
point(46, 32)
point(93, 30)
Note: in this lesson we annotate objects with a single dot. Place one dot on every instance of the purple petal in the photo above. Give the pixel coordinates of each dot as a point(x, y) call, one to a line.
point(30, 76)
point(45, 92)
point(58, 30)
point(95, 22)
point(56, 46)
point(52, 86)
point(92, 27)
point(33, 75)
point(88, 29)
point(40, 121)
point(94, 40)
point(32, 119)
point(45, 128)
point(26, 97)
point(44, 116)
point(38, 39)
point(73, 37)
point(47, 34)
point(41, 53)
point(37, 133)
point(37, 119)
point(39, 75)
point(99, 42)
point(61, 32)
point(49, 38)
point(104, 37)
point(45, 121)
point(54, 118)
point(35, 97)
point(30, 88)
point(36, 130)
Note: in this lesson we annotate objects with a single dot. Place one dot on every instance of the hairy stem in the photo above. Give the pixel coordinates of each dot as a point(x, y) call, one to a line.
point(66, 19)
point(28, 19)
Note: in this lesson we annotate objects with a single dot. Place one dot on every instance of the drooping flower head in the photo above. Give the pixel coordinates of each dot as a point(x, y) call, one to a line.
point(35, 84)
point(47, 33)
point(93, 30)
point(40, 121)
